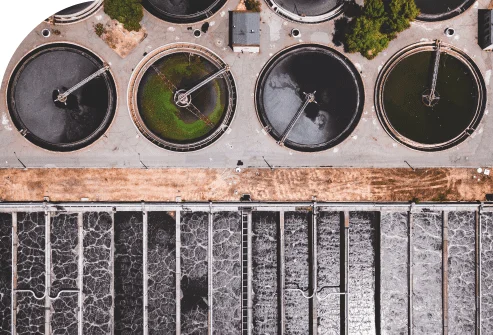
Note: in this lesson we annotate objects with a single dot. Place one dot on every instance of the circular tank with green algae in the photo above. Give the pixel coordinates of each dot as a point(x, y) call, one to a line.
point(408, 76)
point(183, 128)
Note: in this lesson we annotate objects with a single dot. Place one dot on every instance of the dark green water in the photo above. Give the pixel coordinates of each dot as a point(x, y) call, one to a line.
point(402, 98)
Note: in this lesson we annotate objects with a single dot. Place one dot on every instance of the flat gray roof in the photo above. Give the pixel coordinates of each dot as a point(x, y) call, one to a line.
point(245, 28)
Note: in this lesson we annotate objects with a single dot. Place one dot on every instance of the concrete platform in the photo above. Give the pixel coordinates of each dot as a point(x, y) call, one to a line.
point(368, 146)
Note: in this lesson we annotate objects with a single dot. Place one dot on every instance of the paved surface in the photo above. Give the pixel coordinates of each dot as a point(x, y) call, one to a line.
point(226, 185)
point(368, 146)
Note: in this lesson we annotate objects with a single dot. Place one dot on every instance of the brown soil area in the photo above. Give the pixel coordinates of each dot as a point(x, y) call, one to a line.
point(227, 185)
point(120, 39)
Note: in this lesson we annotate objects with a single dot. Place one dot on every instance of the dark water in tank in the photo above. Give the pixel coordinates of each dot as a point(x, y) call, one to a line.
point(394, 273)
point(181, 7)
point(226, 273)
point(486, 272)
point(427, 273)
point(64, 264)
point(265, 272)
point(296, 257)
point(128, 273)
point(309, 7)
point(329, 273)
point(98, 301)
point(307, 70)
point(75, 8)
point(5, 272)
point(452, 114)
point(30, 272)
point(440, 6)
point(161, 270)
point(59, 68)
point(363, 272)
point(194, 272)
point(461, 273)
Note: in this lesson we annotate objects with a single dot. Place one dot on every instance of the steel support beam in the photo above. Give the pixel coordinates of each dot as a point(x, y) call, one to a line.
point(112, 265)
point(80, 272)
point(314, 272)
point(346, 272)
point(445, 272)
point(410, 272)
point(8, 207)
point(478, 270)
point(178, 271)
point(250, 276)
point(145, 270)
point(281, 276)
point(209, 277)
point(47, 272)
point(13, 301)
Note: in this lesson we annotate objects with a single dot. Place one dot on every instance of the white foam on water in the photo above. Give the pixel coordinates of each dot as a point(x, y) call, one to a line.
point(5, 122)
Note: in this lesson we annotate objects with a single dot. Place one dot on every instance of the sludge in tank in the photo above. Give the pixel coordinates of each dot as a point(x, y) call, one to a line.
point(183, 97)
point(430, 96)
point(61, 97)
point(183, 11)
point(309, 97)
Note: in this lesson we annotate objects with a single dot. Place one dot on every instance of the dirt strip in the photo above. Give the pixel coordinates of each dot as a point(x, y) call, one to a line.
point(327, 184)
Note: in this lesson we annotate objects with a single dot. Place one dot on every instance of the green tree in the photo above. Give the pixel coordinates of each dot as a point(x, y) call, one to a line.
point(370, 32)
point(400, 14)
point(374, 9)
point(127, 12)
point(365, 37)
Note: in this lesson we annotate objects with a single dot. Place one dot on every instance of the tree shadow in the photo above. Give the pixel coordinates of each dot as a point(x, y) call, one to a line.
point(341, 29)
point(342, 26)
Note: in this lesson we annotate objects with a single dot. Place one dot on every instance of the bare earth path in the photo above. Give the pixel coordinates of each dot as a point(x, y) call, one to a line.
point(327, 184)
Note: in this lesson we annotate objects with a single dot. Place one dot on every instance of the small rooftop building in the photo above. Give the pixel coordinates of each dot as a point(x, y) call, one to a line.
point(245, 31)
point(485, 22)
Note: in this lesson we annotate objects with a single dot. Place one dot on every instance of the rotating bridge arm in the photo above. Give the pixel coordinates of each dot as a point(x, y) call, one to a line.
point(431, 98)
point(310, 97)
point(62, 97)
point(205, 81)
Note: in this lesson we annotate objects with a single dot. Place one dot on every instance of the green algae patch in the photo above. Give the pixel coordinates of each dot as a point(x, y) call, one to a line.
point(160, 113)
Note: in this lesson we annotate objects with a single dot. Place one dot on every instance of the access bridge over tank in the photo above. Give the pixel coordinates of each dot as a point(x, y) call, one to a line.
point(246, 268)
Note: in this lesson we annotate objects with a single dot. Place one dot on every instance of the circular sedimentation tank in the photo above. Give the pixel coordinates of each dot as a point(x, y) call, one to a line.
point(307, 11)
point(415, 117)
point(77, 12)
point(183, 11)
point(309, 97)
point(37, 81)
point(439, 10)
point(182, 97)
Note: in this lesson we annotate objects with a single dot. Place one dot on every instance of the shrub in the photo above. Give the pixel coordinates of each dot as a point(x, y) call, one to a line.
point(127, 12)
point(365, 37)
point(99, 29)
point(371, 31)
point(253, 5)
point(400, 14)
